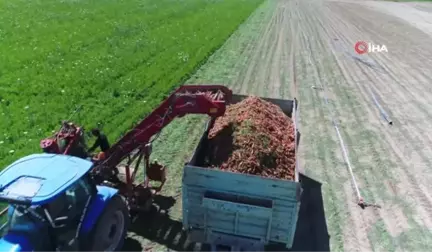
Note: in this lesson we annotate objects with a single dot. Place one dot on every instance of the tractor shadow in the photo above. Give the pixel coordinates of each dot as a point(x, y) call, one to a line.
point(311, 232)
point(157, 226)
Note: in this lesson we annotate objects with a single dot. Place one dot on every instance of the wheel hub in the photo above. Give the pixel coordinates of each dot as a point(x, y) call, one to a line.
point(114, 231)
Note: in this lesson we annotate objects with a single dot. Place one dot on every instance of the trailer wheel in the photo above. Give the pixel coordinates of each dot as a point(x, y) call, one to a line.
point(111, 228)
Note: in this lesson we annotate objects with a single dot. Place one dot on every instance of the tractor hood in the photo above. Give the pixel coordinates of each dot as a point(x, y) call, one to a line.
point(14, 243)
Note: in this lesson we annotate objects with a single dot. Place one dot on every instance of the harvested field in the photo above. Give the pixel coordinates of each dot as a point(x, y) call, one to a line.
point(107, 64)
point(391, 164)
point(281, 51)
point(254, 137)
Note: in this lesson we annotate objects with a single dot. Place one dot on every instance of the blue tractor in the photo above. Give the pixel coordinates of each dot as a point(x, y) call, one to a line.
point(61, 201)
point(54, 205)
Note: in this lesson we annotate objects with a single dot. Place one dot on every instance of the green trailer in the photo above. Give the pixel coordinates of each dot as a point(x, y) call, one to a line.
point(239, 210)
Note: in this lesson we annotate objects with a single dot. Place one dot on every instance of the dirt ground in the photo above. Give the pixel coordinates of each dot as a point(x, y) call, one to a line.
point(285, 49)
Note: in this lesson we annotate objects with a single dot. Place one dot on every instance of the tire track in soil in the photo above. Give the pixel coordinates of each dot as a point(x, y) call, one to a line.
point(292, 57)
point(367, 73)
point(274, 76)
point(349, 76)
point(422, 197)
point(258, 77)
point(376, 147)
point(397, 192)
point(318, 154)
point(417, 153)
point(422, 103)
point(254, 62)
point(285, 65)
point(264, 73)
point(237, 82)
point(357, 237)
point(403, 171)
point(260, 82)
point(329, 172)
point(411, 132)
point(417, 191)
point(366, 97)
point(399, 67)
point(298, 73)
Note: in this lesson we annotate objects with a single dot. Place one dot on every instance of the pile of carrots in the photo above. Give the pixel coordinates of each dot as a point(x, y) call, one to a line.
point(253, 137)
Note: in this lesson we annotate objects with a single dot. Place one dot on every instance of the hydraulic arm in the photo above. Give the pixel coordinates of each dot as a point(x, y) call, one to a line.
point(198, 99)
point(114, 166)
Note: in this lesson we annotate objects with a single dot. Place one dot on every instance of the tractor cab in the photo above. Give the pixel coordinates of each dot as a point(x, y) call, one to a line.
point(47, 197)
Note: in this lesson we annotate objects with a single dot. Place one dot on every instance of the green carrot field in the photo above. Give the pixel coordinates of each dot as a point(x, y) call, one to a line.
point(112, 59)
point(115, 60)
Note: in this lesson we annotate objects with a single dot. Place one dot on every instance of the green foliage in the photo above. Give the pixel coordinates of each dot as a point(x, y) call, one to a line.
point(115, 59)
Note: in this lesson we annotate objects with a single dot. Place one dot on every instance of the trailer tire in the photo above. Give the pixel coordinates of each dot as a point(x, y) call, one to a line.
point(111, 228)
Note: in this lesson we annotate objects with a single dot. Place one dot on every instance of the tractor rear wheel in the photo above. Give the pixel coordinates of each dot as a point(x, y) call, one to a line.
point(111, 228)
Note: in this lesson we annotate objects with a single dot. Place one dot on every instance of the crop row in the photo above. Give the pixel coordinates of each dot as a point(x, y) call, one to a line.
point(113, 59)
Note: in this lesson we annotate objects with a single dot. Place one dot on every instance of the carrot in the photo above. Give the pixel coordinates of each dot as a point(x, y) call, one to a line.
point(254, 137)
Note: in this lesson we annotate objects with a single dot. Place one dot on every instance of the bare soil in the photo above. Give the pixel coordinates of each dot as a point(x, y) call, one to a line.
point(320, 37)
point(305, 49)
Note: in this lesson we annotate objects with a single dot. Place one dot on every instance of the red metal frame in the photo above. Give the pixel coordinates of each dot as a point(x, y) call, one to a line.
point(70, 135)
point(136, 144)
point(210, 100)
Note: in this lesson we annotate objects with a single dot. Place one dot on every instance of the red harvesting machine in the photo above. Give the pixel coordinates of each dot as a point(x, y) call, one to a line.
point(69, 140)
point(119, 165)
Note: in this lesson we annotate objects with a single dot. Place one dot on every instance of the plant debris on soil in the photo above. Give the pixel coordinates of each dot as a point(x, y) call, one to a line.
point(253, 137)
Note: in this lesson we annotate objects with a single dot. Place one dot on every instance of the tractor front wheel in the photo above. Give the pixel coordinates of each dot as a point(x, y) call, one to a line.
point(111, 228)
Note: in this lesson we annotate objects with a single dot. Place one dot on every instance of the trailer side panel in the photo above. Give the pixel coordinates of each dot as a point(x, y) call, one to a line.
point(240, 204)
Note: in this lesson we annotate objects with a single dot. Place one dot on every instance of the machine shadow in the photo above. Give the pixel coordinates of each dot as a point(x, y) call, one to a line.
point(311, 233)
point(157, 226)
point(312, 223)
